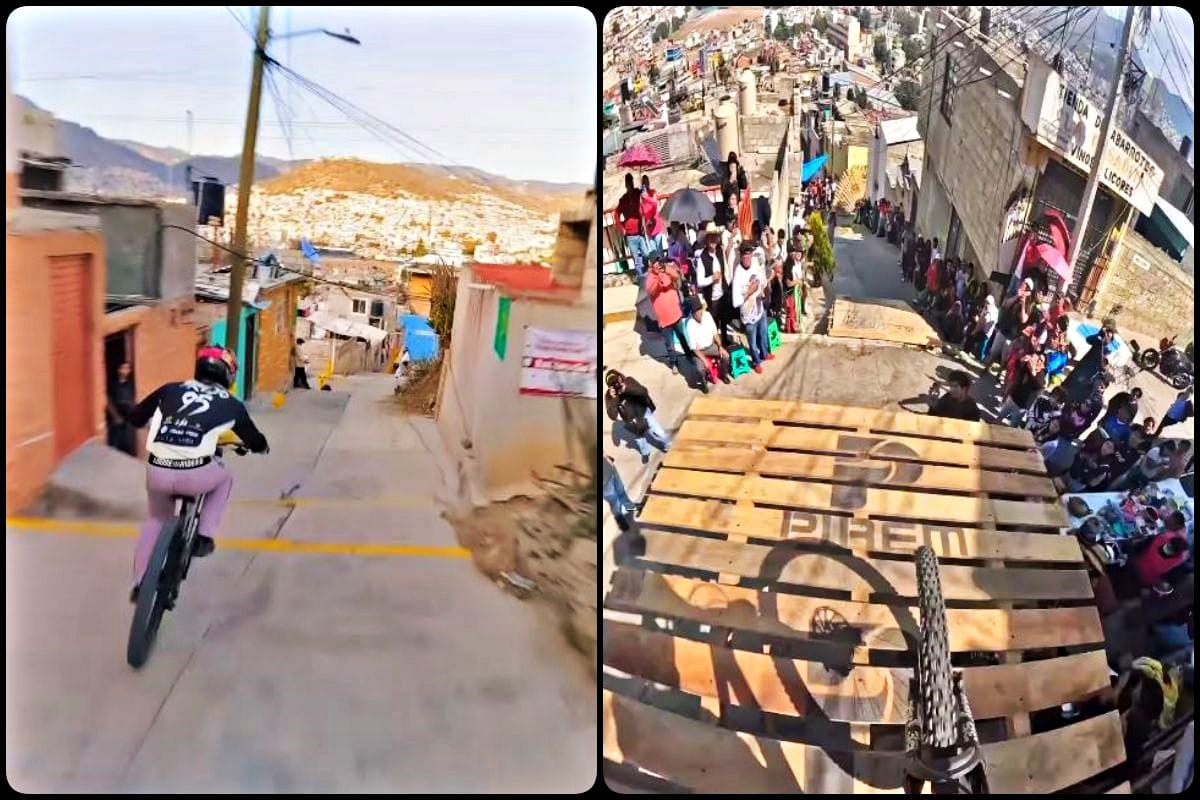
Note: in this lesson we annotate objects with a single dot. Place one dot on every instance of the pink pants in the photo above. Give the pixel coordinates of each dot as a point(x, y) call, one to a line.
point(162, 484)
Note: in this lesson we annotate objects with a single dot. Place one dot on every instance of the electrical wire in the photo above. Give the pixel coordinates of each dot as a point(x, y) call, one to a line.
point(381, 129)
point(244, 26)
point(262, 261)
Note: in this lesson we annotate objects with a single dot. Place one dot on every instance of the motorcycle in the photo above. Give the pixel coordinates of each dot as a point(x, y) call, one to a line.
point(1174, 365)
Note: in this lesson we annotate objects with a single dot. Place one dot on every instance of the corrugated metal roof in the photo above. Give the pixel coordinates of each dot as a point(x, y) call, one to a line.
point(899, 130)
point(345, 327)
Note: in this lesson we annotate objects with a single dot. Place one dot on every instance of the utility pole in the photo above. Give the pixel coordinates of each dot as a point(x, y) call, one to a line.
point(237, 277)
point(1093, 182)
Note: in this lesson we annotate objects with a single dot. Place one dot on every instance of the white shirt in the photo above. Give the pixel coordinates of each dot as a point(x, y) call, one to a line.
point(936, 254)
point(701, 335)
point(741, 293)
point(760, 260)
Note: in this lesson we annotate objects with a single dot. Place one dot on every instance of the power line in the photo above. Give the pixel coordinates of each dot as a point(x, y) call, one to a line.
point(385, 131)
point(938, 46)
point(244, 26)
point(1019, 54)
point(264, 262)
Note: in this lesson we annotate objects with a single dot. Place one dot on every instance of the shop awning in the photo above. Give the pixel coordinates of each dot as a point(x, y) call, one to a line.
point(811, 168)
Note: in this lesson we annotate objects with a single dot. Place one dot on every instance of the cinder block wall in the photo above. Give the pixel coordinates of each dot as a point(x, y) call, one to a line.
point(1147, 292)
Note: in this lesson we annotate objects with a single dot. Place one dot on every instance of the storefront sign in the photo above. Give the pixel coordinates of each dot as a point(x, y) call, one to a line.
point(559, 363)
point(1068, 123)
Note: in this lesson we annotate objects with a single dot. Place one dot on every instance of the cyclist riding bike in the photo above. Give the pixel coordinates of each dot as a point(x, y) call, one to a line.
point(187, 420)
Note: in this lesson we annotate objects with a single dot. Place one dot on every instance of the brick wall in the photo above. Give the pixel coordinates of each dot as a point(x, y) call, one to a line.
point(276, 334)
point(29, 378)
point(1146, 291)
point(165, 340)
point(763, 134)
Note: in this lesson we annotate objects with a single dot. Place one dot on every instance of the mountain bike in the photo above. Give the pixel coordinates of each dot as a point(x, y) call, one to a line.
point(941, 744)
point(166, 571)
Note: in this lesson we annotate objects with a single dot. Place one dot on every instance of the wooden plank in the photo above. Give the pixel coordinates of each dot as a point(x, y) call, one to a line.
point(862, 445)
point(861, 418)
point(1121, 788)
point(865, 694)
point(862, 471)
point(709, 759)
point(1048, 762)
point(706, 758)
point(879, 626)
point(881, 321)
point(867, 535)
point(861, 501)
point(852, 573)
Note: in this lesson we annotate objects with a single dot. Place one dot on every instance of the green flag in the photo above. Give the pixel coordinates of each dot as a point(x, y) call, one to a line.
point(500, 343)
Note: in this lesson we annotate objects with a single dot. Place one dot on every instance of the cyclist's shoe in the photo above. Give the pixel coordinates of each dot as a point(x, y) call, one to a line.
point(202, 545)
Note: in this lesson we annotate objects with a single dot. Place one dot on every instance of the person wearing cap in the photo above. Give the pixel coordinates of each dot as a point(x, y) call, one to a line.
point(1093, 362)
point(702, 332)
point(749, 286)
point(629, 402)
point(710, 276)
point(793, 285)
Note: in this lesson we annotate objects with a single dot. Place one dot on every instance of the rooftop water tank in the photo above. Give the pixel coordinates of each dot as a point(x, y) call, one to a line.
point(725, 119)
point(748, 95)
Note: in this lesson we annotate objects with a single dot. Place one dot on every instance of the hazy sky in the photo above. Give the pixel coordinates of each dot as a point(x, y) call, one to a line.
point(1172, 58)
point(512, 91)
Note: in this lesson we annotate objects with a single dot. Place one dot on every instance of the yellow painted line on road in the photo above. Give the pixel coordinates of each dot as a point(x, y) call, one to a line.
point(84, 527)
point(394, 501)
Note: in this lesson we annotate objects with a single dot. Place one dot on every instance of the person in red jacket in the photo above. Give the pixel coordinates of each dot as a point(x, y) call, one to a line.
point(663, 287)
point(629, 217)
point(1165, 552)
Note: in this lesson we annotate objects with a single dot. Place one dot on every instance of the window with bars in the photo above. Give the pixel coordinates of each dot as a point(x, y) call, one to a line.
point(359, 306)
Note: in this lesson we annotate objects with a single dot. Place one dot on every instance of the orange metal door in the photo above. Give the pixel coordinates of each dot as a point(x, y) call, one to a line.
point(71, 354)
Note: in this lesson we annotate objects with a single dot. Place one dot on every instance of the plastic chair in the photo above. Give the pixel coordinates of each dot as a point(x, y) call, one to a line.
point(774, 339)
point(739, 362)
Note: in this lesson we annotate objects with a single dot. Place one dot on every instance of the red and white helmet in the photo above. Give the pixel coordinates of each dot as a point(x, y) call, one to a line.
point(216, 364)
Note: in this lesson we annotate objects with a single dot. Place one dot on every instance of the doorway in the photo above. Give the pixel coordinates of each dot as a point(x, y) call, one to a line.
point(118, 349)
point(249, 350)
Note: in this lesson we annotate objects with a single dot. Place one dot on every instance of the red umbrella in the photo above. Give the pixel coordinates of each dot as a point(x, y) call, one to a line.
point(639, 155)
point(1059, 231)
point(1049, 255)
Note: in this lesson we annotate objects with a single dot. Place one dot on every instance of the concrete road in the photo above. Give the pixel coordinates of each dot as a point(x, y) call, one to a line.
point(396, 669)
point(867, 266)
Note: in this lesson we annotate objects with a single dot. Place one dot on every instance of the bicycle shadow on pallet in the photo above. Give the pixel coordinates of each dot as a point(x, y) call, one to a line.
point(828, 644)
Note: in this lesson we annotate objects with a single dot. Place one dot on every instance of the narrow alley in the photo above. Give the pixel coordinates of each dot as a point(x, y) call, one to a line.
point(338, 642)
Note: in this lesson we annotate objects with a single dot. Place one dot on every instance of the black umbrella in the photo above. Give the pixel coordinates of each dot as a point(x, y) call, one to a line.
point(689, 206)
